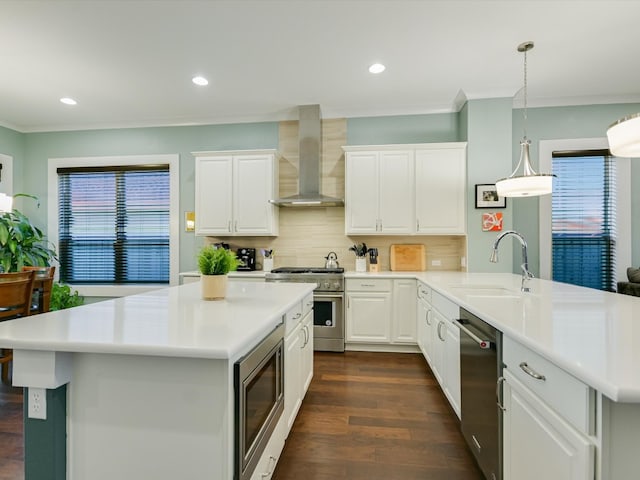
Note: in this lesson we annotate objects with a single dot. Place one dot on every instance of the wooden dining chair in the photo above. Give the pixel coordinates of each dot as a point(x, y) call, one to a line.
point(42, 285)
point(16, 291)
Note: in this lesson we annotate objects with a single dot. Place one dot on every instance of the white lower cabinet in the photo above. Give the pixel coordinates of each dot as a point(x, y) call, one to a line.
point(424, 320)
point(269, 459)
point(403, 322)
point(548, 419)
point(306, 371)
point(292, 373)
point(298, 358)
point(538, 443)
point(381, 311)
point(443, 348)
point(368, 312)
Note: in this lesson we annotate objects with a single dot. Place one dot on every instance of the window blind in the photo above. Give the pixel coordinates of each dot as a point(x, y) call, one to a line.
point(114, 224)
point(583, 219)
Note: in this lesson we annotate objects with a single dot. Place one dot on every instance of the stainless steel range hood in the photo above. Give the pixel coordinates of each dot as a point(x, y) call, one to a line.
point(310, 169)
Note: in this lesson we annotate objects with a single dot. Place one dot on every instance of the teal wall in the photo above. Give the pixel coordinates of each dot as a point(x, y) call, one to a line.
point(441, 127)
point(590, 121)
point(39, 147)
point(488, 130)
point(491, 127)
point(12, 144)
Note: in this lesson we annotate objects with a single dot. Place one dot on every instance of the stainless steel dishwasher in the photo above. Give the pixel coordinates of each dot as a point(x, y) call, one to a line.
point(480, 371)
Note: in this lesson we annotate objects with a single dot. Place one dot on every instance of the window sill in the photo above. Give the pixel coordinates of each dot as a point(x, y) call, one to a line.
point(113, 291)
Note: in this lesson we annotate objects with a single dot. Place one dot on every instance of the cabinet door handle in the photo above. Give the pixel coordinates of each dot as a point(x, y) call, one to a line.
point(297, 315)
point(428, 317)
point(229, 226)
point(236, 225)
point(531, 372)
point(417, 225)
point(499, 395)
point(440, 324)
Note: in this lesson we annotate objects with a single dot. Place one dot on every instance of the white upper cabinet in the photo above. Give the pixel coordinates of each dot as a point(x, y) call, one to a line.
point(405, 189)
point(379, 192)
point(233, 193)
point(440, 189)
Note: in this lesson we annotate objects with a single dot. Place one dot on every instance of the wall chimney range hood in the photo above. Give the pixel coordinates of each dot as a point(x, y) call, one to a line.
point(310, 167)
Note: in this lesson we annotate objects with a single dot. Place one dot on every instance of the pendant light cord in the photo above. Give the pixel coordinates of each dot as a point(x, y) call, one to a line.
point(524, 126)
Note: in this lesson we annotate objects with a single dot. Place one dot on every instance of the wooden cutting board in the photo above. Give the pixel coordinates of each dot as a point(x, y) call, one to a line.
point(408, 258)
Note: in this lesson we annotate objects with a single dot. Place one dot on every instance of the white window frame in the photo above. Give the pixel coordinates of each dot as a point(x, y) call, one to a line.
point(174, 220)
point(623, 203)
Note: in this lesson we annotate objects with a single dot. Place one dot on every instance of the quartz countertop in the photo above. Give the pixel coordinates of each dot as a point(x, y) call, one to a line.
point(593, 335)
point(235, 275)
point(172, 322)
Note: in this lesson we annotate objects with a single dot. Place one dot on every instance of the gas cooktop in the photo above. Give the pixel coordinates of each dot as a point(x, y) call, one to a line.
point(307, 270)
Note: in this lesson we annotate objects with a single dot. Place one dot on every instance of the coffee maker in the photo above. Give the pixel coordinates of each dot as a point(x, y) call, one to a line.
point(248, 258)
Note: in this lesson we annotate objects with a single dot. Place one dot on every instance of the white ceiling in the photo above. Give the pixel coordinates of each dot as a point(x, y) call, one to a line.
point(130, 63)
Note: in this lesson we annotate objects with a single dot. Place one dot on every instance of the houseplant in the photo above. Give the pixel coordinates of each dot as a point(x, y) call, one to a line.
point(21, 242)
point(214, 264)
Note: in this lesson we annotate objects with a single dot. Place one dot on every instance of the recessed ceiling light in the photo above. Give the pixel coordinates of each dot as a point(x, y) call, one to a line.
point(68, 101)
point(377, 68)
point(200, 81)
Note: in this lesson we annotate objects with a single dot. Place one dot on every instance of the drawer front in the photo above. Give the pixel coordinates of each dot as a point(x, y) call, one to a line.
point(292, 317)
point(564, 393)
point(365, 285)
point(307, 304)
point(446, 307)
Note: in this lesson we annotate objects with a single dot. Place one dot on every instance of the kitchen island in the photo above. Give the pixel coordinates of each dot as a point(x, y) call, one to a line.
point(143, 384)
point(571, 356)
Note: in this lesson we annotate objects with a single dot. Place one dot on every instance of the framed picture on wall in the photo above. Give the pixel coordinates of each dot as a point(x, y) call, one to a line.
point(487, 197)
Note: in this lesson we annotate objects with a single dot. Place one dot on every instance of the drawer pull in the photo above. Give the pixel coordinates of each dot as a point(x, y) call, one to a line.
point(367, 285)
point(531, 372)
point(297, 315)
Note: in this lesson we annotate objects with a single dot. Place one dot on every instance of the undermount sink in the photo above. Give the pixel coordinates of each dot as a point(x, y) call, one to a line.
point(485, 291)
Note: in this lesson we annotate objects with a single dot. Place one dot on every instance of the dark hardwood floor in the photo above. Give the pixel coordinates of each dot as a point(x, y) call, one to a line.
point(366, 416)
point(375, 416)
point(11, 447)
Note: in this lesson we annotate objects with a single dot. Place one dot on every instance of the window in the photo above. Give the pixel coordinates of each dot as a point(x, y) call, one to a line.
point(114, 224)
point(116, 240)
point(583, 218)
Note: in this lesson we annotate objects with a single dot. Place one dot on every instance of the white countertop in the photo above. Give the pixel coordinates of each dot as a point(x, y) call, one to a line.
point(235, 275)
point(172, 322)
point(593, 335)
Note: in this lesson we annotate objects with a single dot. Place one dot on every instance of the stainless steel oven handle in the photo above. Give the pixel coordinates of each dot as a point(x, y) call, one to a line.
point(481, 343)
point(531, 372)
point(325, 295)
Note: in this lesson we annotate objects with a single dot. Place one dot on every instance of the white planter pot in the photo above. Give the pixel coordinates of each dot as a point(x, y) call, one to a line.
point(361, 264)
point(214, 287)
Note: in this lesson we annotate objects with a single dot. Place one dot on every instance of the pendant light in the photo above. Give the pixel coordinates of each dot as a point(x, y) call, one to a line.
point(528, 183)
point(624, 136)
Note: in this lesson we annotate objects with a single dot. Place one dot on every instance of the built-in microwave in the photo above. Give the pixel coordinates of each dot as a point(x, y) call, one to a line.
point(259, 400)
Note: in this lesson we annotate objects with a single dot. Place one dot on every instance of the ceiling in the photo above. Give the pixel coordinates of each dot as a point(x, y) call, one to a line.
point(130, 63)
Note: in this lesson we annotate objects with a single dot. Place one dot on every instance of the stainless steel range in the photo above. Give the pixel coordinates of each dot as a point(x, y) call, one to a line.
point(328, 302)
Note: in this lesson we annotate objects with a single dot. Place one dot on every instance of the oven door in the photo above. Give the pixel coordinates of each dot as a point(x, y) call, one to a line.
point(328, 322)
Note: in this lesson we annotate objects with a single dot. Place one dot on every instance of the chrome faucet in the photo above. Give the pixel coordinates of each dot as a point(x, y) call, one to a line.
point(526, 274)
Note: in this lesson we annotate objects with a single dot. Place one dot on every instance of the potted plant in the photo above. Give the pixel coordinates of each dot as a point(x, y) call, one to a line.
point(21, 242)
point(214, 264)
point(63, 297)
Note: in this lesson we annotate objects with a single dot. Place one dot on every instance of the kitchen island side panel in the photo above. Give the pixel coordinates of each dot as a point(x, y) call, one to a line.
point(133, 417)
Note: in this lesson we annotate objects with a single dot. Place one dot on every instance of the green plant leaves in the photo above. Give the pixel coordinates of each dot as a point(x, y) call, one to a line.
point(217, 261)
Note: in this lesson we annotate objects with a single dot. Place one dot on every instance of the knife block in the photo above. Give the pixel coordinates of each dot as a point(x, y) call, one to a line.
point(373, 267)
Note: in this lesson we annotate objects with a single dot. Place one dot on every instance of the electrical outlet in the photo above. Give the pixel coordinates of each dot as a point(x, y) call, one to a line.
point(37, 403)
point(436, 263)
